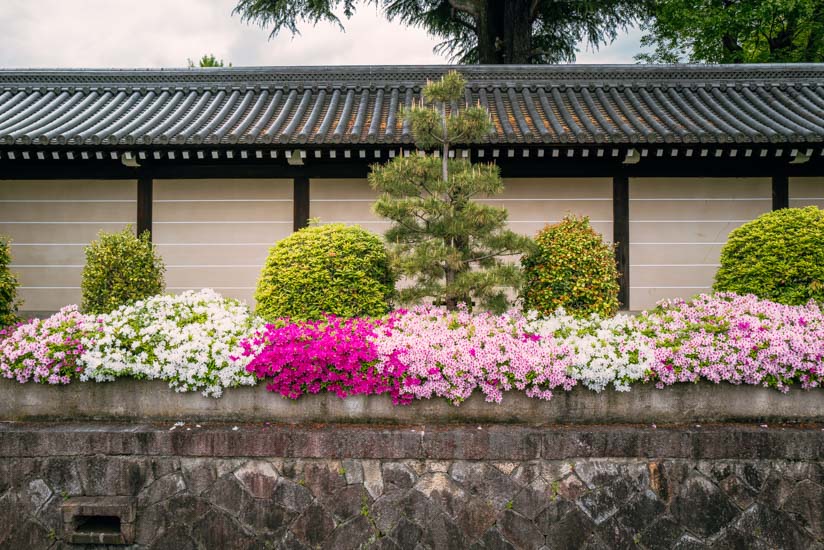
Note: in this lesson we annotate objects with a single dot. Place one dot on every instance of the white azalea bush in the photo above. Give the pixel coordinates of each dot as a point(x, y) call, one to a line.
point(604, 351)
point(191, 340)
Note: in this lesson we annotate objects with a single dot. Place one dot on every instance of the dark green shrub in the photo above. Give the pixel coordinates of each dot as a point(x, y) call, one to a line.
point(571, 267)
point(120, 268)
point(326, 269)
point(778, 256)
point(8, 287)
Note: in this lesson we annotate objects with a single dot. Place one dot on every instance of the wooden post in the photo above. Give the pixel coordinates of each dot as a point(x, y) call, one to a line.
point(300, 201)
point(780, 192)
point(144, 203)
point(620, 234)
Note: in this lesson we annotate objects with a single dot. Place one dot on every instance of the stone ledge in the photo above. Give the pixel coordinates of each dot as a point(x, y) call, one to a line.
point(498, 443)
point(134, 400)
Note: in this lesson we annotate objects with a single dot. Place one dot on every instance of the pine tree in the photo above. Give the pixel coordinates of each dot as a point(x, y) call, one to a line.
point(448, 244)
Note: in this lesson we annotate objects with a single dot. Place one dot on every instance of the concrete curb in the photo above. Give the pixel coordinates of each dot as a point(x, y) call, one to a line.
point(129, 400)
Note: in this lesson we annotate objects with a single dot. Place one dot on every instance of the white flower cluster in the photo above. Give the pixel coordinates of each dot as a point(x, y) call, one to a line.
point(190, 340)
point(604, 351)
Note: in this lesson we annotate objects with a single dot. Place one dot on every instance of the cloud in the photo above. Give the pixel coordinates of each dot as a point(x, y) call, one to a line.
point(165, 33)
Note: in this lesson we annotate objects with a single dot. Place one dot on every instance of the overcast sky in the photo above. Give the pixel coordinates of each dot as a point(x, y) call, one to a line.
point(165, 33)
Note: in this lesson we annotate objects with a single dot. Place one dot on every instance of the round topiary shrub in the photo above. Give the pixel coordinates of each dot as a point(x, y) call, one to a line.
point(120, 268)
point(571, 268)
point(778, 256)
point(326, 269)
point(8, 287)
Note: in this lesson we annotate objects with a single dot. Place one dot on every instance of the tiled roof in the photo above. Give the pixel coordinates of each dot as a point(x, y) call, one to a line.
point(360, 105)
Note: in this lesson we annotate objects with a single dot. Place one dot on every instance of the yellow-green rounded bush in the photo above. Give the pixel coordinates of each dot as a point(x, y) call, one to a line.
point(571, 267)
point(120, 268)
point(778, 256)
point(8, 287)
point(326, 269)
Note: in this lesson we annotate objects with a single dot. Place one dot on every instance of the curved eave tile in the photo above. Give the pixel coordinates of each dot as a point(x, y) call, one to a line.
point(538, 105)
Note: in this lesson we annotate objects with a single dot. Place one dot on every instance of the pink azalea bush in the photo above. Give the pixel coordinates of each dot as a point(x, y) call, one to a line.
point(429, 352)
point(451, 354)
point(736, 339)
point(45, 351)
point(333, 354)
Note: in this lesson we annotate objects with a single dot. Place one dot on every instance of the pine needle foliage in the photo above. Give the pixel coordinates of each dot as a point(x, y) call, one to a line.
point(8, 286)
point(449, 245)
point(121, 268)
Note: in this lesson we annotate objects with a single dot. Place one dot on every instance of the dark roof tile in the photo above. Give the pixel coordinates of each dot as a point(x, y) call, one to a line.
point(326, 105)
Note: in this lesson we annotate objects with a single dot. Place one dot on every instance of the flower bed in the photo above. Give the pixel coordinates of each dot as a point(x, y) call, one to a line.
point(201, 341)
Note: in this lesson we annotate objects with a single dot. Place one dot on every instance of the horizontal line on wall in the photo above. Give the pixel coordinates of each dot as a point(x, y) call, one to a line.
point(689, 221)
point(212, 287)
point(674, 265)
point(61, 201)
point(289, 222)
point(553, 221)
point(670, 287)
point(691, 243)
point(214, 244)
point(177, 266)
point(481, 200)
point(593, 199)
point(50, 287)
point(180, 266)
point(327, 222)
point(768, 199)
point(156, 243)
point(806, 199)
point(68, 223)
point(222, 200)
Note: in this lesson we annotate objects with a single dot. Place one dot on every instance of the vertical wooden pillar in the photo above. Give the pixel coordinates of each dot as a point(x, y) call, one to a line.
point(620, 234)
point(144, 203)
point(780, 192)
point(300, 202)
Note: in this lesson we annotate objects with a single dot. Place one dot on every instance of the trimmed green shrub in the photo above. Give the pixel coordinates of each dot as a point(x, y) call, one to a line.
point(778, 256)
point(120, 268)
point(573, 268)
point(326, 269)
point(8, 286)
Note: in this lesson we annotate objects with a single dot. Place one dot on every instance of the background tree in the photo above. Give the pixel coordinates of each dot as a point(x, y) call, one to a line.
point(207, 61)
point(734, 31)
point(473, 31)
point(448, 244)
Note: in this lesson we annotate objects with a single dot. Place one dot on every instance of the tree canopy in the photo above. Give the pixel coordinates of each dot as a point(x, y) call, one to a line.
point(207, 61)
point(734, 31)
point(472, 31)
point(447, 243)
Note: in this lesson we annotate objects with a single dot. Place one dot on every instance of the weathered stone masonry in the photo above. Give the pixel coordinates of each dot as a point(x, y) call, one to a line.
point(485, 487)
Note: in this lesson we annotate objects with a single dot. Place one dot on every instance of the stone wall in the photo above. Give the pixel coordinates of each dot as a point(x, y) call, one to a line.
point(483, 487)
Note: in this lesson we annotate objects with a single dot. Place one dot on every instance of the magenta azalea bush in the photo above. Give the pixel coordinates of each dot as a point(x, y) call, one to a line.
point(46, 351)
point(737, 339)
point(333, 355)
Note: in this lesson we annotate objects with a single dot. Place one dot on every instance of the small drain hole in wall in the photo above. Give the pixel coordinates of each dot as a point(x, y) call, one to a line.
point(92, 525)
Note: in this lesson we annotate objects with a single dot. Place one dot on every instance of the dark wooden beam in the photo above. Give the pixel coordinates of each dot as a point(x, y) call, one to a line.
point(620, 235)
point(354, 166)
point(300, 201)
point(780, 192)
point(144, 203)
